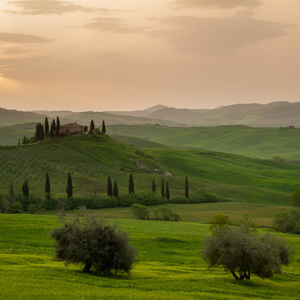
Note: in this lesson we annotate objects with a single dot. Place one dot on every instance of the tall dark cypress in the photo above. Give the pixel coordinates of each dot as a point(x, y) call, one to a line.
point(103, 127)
point(92, 126)
point(153, 186)
point(46, 127)
point(109, 187)
point(52, 131)
point(37, 131)
point(186, 193)
point(25, 188)
point(57, 126)
point(54, 126)
point(47, 187)
point(116, 191)
point(69, 189)
point(131, 185)
point(162, 188)
point(167, 191)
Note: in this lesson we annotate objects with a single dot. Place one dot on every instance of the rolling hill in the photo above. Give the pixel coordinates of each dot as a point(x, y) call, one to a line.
point(249, 141)
point(90, 159)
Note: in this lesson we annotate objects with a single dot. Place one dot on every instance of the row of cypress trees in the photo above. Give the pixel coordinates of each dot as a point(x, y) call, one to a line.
point(112, 190)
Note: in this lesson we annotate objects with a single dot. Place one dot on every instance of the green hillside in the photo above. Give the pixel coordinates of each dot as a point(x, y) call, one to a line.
point(170, 266)
point(253, 142)
point(10, 135)
point(91, 158)
point(137, 142)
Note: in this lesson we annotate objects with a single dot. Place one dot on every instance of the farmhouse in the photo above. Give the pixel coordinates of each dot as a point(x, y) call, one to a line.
point(72, 128)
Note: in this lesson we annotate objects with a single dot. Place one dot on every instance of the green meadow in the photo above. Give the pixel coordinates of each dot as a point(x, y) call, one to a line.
point(249, 141)
point(170, 266)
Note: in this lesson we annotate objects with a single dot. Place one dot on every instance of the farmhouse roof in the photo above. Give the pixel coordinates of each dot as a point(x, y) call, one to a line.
point(71, 125)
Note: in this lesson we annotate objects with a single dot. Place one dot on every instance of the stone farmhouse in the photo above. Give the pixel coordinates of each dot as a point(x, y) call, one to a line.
point(72, 128)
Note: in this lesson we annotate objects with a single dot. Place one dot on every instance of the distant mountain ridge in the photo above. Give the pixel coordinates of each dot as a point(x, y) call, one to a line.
point(274, 114)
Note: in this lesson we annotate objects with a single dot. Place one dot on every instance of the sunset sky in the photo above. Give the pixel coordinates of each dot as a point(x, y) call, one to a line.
point(124, 55)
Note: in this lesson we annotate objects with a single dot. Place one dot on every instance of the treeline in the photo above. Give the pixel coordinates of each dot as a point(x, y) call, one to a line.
point(13, 203)
point(46, 131)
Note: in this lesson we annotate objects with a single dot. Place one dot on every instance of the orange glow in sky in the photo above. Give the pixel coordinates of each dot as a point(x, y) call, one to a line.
point(124, 55)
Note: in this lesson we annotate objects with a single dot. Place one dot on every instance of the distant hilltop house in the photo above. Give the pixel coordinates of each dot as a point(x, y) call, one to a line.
point(72, 128)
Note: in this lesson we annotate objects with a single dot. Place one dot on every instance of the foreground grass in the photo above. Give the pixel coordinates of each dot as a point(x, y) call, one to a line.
point(170, 266)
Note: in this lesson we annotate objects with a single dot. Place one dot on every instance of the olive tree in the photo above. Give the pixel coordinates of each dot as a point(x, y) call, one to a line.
point(243, 252)
point(95, 244)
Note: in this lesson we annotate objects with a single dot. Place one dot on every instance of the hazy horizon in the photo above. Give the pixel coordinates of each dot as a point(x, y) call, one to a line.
point(130, 55)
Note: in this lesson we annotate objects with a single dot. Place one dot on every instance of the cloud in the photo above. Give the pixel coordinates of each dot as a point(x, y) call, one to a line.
point(48, 7)
point(113, 25)
point(216, 36)
point(21, 38)
point(224, 4)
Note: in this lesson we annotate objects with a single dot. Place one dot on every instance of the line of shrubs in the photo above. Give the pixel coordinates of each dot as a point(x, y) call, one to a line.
point(16, 204)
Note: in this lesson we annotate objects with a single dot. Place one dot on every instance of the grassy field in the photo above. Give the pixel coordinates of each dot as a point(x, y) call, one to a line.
point(10, 136)
point(249, 141)
point(170, 266)
point(90, 159)
point(261, 214)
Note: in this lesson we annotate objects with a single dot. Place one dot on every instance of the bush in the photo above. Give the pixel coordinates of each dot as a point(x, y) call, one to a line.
point(141, 198)
point(296, 198)
point(179, 199)
point(4, 204)
point(140, 211)
point(219, 220)
point(95, 244)
point(166, 214)
point(203, 196)
point(287, 221)
point(15, 208)
point(34, 208)
point(243, 252)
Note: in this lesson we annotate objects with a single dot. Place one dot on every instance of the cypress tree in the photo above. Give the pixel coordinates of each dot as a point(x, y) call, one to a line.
point(162, 188)
point(167, 191)
point(116, 191)
point(37, 131)
point(57, 129)
point(47, 187)
point(131, 184)
point(109, 187)
point(186, 193)
point(46, 127)
point(153, 186)
point(92, 127)
point(69, 189)
point(42, 133)
point(103, 127)
point(52, 131)
point(25, 188)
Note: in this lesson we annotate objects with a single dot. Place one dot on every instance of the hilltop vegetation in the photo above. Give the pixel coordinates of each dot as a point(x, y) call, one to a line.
point(253, 142)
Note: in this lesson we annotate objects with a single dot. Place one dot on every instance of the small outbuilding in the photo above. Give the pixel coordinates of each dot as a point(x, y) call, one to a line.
point(72, 128)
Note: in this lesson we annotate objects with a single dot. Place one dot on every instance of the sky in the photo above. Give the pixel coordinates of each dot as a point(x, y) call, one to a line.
point(104, 55)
